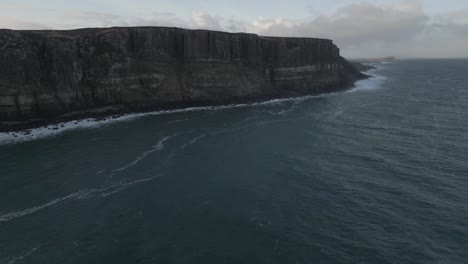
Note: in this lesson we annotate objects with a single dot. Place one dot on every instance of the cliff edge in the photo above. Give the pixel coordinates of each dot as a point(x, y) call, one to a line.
point(46, 74)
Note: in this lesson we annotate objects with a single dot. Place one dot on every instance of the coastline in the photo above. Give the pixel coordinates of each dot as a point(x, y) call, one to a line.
point(56, 127)
point(55, 76)
point(113, 112)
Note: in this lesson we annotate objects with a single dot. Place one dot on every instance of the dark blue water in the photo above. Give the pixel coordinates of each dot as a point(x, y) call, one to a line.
point(378, 174)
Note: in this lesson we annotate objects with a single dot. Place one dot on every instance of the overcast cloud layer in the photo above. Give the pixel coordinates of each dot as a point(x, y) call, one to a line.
point(360, 29)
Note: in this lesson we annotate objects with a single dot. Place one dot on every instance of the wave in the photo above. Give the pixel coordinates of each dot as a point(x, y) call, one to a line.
point(60, 128)
point(374, 82)
point(79, 195)
point(57, 129)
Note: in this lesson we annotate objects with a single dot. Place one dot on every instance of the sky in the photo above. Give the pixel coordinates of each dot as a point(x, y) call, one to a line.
point(360, 28)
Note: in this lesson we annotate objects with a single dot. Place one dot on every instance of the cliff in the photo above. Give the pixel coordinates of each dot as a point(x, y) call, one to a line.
point(46, 74)
point(363, 66)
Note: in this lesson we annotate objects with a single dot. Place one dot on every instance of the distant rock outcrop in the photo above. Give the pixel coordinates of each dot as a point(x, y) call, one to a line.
point(46, 74)
point(363, 67)
point(374, 60)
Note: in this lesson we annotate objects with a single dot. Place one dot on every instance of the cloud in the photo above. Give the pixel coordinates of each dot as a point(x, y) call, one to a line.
point(368, 30)
point(166, 19)
point(355, 25)
point(362, 29)
point(206, 21)
point(73, 20)
point(12, 23)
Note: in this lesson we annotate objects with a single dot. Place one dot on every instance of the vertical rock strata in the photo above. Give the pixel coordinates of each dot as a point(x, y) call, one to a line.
point(45, 74)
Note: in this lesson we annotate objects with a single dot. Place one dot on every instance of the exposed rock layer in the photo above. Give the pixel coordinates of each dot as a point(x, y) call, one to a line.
point(45, 74)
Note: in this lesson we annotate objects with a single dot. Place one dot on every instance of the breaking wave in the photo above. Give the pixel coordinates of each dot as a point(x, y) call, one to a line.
point(374, 82)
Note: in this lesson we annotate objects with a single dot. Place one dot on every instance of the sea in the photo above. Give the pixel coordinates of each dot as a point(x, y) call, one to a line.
point(374, 174)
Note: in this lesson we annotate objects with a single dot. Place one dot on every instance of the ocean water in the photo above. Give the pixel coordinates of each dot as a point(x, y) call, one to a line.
point(375, 174)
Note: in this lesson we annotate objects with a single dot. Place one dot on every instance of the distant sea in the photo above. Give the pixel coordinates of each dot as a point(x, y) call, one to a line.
point(376, 174)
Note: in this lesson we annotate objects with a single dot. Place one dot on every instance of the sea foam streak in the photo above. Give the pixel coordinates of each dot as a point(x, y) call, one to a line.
point(14, 260)
point(156, 147)
point(375, 81)
point(79, 195)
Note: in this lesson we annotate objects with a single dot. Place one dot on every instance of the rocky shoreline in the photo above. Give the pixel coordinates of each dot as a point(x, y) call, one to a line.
point(113, 112)
point(55, 76)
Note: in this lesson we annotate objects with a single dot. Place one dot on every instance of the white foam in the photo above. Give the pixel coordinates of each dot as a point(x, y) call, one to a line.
point(79, 195)
point(118, 187)
point(57, 129)
point(156, 147)
point(53, 130)
point(372, 83)
point(192, 141)
point(177, 121)
point(23, 256)
point(13, 215)
point(101, 171)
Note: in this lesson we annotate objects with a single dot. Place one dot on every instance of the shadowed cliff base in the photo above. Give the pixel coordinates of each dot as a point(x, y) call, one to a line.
point(50, 76)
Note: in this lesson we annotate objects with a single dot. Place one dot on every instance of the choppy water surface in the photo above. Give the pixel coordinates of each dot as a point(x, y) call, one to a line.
point(377, 174)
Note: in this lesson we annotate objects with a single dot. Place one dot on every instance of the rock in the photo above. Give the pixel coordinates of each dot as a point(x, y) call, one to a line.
point(363, 67)
point(46, 74)
point(374, 60)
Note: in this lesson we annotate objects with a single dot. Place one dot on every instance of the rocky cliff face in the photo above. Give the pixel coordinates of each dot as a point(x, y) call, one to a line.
point(45, 74)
